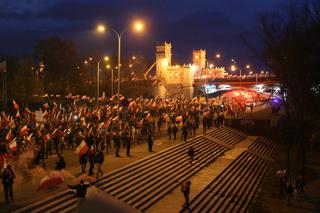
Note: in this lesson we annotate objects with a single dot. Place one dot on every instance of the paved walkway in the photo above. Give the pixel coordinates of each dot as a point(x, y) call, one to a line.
point(172, 203)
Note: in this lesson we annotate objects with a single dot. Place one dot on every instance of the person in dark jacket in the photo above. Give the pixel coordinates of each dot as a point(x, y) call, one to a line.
point(185, 189)
point(83, 161)
point(7, 181)
point(150, 142)
point(117, 143)
point(60, 163)
point(99, 158)
point(91, 158)
point(81, 189)
point(175, 130)
point(191, 154)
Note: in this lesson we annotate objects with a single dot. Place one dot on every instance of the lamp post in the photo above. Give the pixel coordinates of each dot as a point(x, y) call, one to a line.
point(138, 26)
point(106, 58)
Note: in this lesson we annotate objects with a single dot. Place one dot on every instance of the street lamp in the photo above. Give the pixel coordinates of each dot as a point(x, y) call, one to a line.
point(218, 55)
point(106, 58)
point(138, 26)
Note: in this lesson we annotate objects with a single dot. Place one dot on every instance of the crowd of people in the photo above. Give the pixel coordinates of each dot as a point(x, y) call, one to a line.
point(97, 129)
point(93, 130)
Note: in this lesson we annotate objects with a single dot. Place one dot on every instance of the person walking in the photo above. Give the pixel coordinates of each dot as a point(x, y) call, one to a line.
point(175, 130)
point(83, 161)
point(169, 130)
point(185, 131)
point(191, 154)
point(117, 143)
point(99, 159)
point(185, 189)
point(91, 159)
point(150, 142)
point(7, 181)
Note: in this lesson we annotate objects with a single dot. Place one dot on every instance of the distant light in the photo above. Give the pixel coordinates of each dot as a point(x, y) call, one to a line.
point(101, 28)
point(197, 56)
point(90, 59)
point(108, 66)
point(75, 117)
point(233, 68)
point(248, 66)
point(86, 62)
point(211, 66)
point(106, 58)
point(218, 55)
point(133, 57)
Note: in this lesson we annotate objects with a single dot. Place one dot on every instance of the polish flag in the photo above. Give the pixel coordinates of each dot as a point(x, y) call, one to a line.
point(107, 123)
point(9, 135)
point(13, 145)
point(82, 148)
point(27, 111)
point(46, 105)
point(101, 125)
point(29, 138)
point(15, 105)
point(24, 130)
point(18, 114)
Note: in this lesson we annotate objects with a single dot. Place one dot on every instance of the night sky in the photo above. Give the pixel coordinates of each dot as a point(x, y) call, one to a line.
point(214, 25)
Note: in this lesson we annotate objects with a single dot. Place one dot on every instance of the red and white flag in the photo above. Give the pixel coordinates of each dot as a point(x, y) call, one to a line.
point(18, 114)
point(15, 105)
point(13, 145)
point(24, 130)
point(46, 105)
point(82, 148)
point(9, 135)
point(27, 111)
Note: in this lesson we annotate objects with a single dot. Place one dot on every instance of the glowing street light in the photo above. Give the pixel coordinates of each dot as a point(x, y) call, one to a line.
point(250, 72)
point(86, 62)
point(106, 58)
point(130, 65)
point(133, 58)
point(248, 66)
point(211, 66)
point(138, 26)
point(218, 55)
point(101, 28)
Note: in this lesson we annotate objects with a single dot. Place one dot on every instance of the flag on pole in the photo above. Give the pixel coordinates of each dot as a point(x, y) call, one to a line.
point(9, 135)
point(18, 114)
point(82, 148)
point(13, 145)
point(15, 105)
point(46, 105)
point(3, 66)
point(27, 111)
point(24, 130)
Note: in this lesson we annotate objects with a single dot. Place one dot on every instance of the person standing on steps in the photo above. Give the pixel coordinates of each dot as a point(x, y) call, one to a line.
point(191, 154)
point(185, 189)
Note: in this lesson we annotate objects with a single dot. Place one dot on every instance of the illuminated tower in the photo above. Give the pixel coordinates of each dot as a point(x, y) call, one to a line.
point(199, 58)
point(163, 59)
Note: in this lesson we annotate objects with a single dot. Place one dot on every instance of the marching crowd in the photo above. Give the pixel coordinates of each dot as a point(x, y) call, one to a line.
point(93, 130)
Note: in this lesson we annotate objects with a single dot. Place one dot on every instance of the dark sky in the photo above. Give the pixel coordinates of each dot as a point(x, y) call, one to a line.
point(214, 25)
